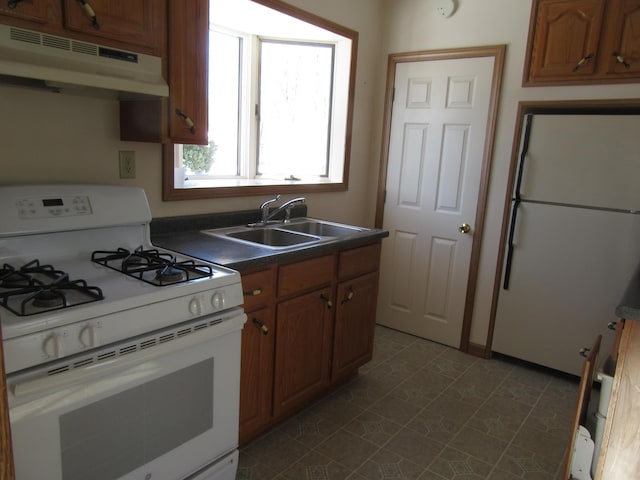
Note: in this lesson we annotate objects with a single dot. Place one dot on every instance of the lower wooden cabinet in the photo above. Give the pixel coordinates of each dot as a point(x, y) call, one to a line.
point(354, 325)
point(256, 385)
point(310, 326)
point(303, 351)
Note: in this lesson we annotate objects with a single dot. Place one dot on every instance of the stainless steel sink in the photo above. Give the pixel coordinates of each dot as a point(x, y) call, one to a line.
point(300, 231)
point(272, 237)
point(321, 229)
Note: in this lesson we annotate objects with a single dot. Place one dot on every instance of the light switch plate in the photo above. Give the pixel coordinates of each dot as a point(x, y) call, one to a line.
point(127, 160)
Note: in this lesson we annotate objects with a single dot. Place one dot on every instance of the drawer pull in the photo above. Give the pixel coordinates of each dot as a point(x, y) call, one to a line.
point(253, 293)
point(620, 59)
point(187, 121)
point(329, 302)
point(261, 325)
point(582, 61)
point(584, 352)
point(90, 13)
point(349, 295)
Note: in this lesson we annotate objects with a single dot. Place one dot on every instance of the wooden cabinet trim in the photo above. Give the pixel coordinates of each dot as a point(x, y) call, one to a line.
point(303, 275)
point(359, 261)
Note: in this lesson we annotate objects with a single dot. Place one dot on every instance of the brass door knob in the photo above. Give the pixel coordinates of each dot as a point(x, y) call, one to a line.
point(464, 228)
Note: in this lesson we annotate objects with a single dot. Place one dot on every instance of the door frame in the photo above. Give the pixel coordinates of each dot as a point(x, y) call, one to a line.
point(498, 54)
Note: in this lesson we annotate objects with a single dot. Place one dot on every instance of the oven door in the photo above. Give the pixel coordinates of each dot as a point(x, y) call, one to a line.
point(160, 406)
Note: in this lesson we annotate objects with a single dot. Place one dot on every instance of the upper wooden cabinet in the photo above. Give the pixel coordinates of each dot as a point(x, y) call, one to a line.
point(137, 22)
point(583, 41)
point(136, 25)
point(183, 118)
point(31, 10)
point(187, 55)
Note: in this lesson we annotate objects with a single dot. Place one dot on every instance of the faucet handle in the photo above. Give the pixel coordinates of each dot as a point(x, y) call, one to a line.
point(269, 202)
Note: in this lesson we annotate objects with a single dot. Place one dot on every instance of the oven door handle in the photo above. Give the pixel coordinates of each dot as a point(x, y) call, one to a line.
point(100, 369)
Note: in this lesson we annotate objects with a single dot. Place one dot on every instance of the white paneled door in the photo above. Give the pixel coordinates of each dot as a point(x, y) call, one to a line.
point(437, 140)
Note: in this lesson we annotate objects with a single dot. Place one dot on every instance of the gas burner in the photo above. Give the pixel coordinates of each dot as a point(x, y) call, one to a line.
point(170, 274)
point(39, 298)
point(49, 299)
point(12, 278)
point(152, 266)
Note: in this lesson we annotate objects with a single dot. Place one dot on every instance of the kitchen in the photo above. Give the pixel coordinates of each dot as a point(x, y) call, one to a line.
point(78, 137)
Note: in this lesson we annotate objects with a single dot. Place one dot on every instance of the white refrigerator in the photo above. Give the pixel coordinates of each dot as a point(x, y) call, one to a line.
point(574, 237)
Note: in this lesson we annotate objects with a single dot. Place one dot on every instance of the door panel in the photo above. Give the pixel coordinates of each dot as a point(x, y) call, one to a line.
point(439, 122)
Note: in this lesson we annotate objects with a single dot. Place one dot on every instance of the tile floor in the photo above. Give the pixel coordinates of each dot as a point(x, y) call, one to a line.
point(422, 411)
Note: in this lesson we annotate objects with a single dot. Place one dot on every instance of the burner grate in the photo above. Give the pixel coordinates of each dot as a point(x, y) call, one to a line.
point(152, 266)
point(36, 288)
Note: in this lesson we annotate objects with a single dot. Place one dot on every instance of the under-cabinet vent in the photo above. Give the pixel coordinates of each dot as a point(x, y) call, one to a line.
point(52, 41)
point(78, 65)
point(26, 36)
point(143, 342)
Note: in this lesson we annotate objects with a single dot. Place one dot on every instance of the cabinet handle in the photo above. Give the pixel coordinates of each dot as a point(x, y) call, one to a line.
point(612, 325)
point(620, 59)
point(584, 352)
point(187, 121)
point(349, 295)
point(582, 61)
point(261, 326)
point(253, 293)
point(90, 13)
point(329, 302)
point(13, 4)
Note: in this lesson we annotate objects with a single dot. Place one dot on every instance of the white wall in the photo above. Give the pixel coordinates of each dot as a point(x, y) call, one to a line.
point(47, 137)
point(411, 25)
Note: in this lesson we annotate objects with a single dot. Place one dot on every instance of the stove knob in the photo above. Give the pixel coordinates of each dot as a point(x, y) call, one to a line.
point(52, 346)
point(88, 336)
point(217, 300)
point(195, 307)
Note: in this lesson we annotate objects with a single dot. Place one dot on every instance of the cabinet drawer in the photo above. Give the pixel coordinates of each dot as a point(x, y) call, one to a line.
point(258, 289)
point(359, 261)
point(300, 276)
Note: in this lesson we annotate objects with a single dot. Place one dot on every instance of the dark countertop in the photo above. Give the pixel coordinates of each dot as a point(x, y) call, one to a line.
point(629, 307)
point(183, 235)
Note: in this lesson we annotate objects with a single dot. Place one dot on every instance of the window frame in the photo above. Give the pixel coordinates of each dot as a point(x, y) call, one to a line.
point(170, 192)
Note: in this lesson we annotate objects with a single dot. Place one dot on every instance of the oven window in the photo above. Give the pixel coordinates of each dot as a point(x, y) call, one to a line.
point(113, 436)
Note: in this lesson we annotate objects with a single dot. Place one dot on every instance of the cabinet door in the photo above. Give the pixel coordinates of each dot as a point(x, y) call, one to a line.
point(624, 54)
point(137, 22)
point(303, 349)
point(188, 47)
point(566, 35)
point(256, 374)
point(33, 10)
point(354, 324)
point(258, 288)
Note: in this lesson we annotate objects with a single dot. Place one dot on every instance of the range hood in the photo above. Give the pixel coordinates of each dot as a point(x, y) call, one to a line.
point(35, 59)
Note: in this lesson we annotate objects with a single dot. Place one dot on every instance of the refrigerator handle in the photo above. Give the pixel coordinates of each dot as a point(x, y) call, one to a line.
point(512, 228)
point(516, 201)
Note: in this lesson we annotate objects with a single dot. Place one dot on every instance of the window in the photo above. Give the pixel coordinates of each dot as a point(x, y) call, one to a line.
point(279, 104)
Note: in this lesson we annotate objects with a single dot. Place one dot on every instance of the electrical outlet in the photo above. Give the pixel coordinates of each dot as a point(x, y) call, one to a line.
point(127, 163)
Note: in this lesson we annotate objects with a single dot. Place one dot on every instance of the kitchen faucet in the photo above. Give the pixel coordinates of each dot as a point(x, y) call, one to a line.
point(286, 206)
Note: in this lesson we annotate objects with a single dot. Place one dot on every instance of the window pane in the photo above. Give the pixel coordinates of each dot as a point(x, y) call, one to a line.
point(224, 101)
point(295, 109)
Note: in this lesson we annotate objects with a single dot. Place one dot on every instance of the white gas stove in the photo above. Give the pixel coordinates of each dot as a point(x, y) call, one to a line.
point(83, 291)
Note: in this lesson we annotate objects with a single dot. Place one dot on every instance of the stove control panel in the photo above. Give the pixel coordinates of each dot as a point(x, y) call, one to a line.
point(48, 207)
